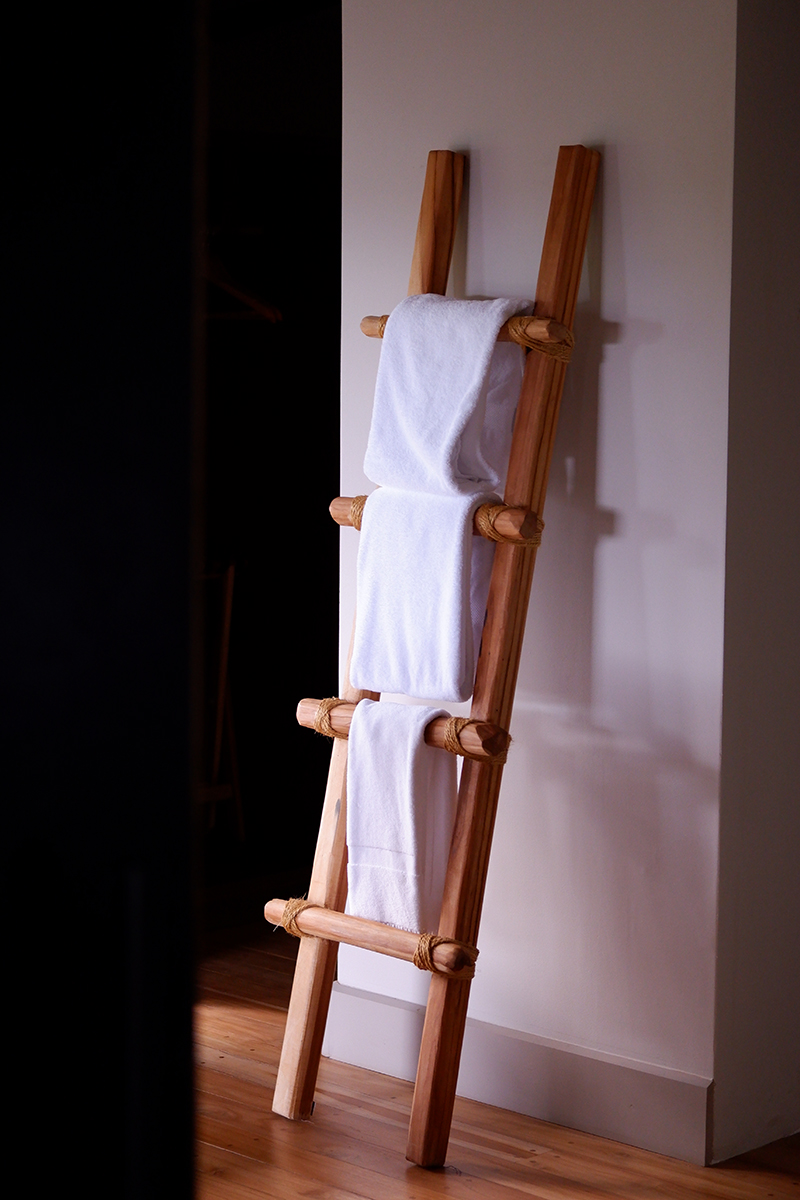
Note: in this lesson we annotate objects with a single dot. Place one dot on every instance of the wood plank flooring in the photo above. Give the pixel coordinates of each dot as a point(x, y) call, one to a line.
point(354, 1146)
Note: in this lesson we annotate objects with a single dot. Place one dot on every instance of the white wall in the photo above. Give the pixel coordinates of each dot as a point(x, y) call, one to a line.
point(599, 929)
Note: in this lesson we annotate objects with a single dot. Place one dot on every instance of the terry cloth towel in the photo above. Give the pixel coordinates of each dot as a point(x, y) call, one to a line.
point(441, 421)
point(423, 580)
point(401, 801)
point(438, 447)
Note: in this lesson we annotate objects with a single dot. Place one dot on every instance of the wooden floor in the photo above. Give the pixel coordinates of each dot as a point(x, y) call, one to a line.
point(354, 1146)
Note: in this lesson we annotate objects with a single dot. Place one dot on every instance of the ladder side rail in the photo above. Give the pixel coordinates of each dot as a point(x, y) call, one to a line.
point(498, 663)
point(316, 958)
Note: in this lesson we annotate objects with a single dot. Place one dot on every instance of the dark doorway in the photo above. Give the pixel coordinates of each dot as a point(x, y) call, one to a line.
point(107, 529)
point(272, 395)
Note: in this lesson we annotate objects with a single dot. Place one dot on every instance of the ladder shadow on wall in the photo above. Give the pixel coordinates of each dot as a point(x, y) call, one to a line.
point(606, 809)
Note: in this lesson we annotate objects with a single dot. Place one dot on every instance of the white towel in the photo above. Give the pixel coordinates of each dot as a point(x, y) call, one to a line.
point(423, 580)
point(445, 397)
point(401, 799)
point(438, 446)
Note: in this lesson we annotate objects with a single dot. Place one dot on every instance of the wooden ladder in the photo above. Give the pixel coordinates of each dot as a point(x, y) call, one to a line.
point(495, 683)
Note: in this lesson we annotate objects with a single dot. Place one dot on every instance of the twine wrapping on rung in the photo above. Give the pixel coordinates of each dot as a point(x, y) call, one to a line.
point(453, 743)
point(290, 914)
point(322, 718)
point(423, 950)
point(423, 955)
point(485, 518)
point(561, 350)
point(357, 510)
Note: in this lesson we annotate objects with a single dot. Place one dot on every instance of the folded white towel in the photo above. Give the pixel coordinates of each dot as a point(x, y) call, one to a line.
point(445, 397)
point(401, 799)
point(438, 446)
point(423, 579)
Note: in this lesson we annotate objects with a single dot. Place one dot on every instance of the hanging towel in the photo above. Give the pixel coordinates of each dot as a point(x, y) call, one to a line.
point(423, 580)
point(401, 799)
point(445, 396)
point(438, 447)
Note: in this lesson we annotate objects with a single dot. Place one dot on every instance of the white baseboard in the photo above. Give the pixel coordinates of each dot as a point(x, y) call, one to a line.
point(632, 1102)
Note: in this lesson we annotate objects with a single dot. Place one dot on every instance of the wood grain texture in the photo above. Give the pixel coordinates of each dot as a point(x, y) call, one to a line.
point(482, 739)
point(537, 329)
point(353, 1146)
point(450, 959)
point(515, 524)
point(316, 962)
point(498, 663)
point(436, 229)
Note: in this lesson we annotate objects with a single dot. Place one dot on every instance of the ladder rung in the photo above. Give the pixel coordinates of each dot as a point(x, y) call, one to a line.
point(513, 524)
point(536, 329)
point(479, 739)
point(450, 958)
